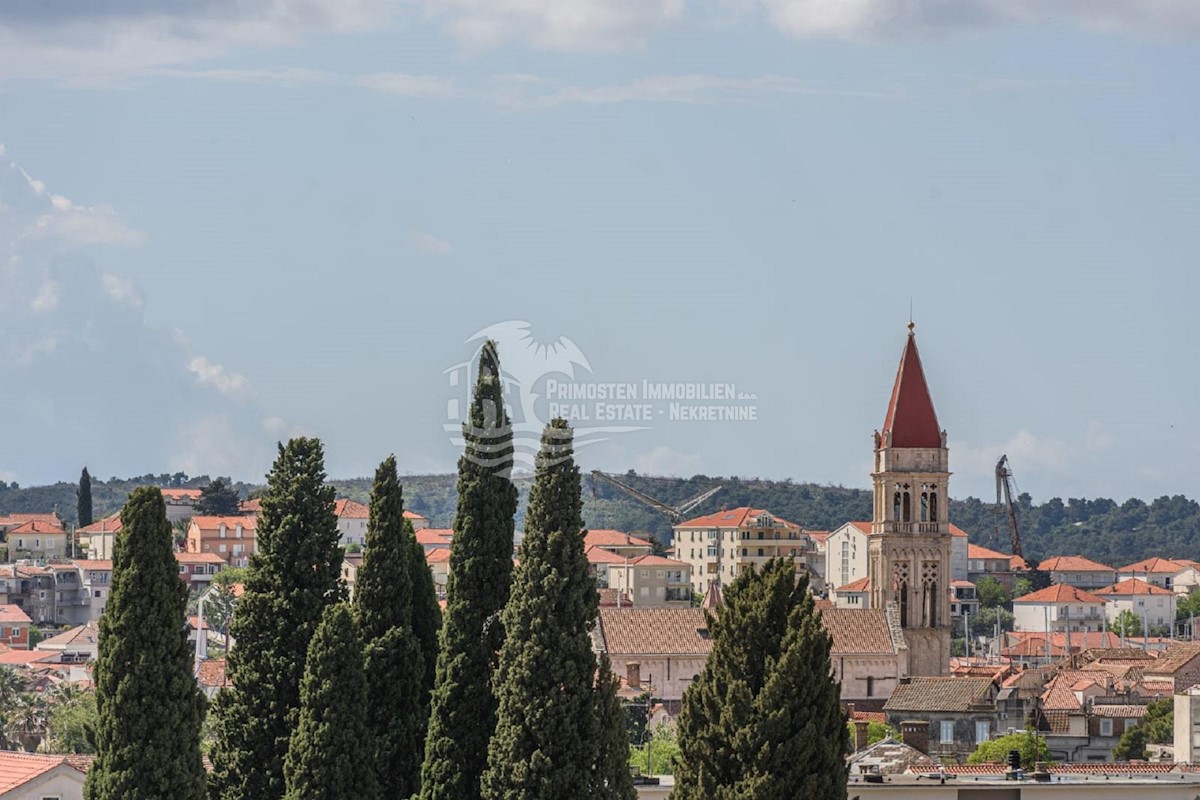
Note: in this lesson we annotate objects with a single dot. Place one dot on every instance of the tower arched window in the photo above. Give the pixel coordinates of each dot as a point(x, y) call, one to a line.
point(896, 507)
point(902, 598)
point(907, 500)
point(933, 505)
point(924, 506)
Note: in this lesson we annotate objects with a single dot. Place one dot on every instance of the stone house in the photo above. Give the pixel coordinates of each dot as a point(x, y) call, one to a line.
point(961, 712)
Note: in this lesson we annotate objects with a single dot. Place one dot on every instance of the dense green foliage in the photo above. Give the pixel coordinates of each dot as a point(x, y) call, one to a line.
point(383, 600)
point(764, 719)
point(657, 754)
point(218, 499)
point(613, 780)
point(463, 712)
point(72, 723)
point(876, 732)
point(1126, 623)
point(995, 751)
point(1157, 727)
point(83, 499)
point(149, 706)
point(292, 578)
point(426, 612)
point(325, 753)
point(992, 594)
point(544, 744)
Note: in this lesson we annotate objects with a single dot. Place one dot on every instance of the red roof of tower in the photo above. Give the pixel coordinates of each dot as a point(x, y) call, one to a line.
point(910, 415)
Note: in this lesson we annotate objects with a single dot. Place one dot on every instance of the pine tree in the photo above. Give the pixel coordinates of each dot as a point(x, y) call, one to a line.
point(218, 499)
point(325, 753)
point(612, 777)
point(463, 711)
point(149, 706)
point(383, 598)
point(764, 719)
point(291, 579)
point(83, 499)
point(426, 612)
point(544, 744)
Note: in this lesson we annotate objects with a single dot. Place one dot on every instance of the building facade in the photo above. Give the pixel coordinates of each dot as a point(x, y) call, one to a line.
point(718, 546)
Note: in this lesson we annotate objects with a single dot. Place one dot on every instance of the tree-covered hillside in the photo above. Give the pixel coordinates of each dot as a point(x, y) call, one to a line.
point(1104, 530)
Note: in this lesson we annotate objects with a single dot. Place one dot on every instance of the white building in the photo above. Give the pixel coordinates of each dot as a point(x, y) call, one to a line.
point(1153, 605)
point(352, 519)
point(846, 554)
point(1155, 571)
point(1059, 608)
point(1080, 572)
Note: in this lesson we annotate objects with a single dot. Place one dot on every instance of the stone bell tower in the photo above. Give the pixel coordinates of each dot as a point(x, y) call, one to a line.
point(908, 554)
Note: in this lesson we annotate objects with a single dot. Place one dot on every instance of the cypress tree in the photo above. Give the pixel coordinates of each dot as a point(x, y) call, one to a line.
point(764, 719)
point(612, 776)
point(543, 745)
point(83, 499)
point(149, 705)
point(383, 597)
point(426, 612)
point(463, 710)
point(291, 579)
point(325, 753)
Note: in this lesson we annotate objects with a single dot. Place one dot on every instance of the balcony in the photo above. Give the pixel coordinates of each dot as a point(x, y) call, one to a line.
point(679, 595)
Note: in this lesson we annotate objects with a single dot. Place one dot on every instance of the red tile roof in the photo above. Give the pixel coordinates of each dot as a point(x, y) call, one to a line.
point(861, 527)
point(427, 536)
point(438, 555)
point(817, 536)
point(655, 631)
point(604, 537)
point(351, 509)
point(742, 516)
point(978, 552)
point(1132, 586)
point(110, 524)
point(212, 672)
point(13, 615)
point(248, 522)
point(598, 555)
point(7, 520)
point(861, 585)
point(1059, 593)
point(1155, 564)
point(94, 565)
point(657, 561)
point(19, 769)
point(1072, 564)
point(36, 526)
point(858, 631)
point(608, 599)
point(199, 558)
point(910, 415)
point(253, 506)
point(412, 515)
point(181, 494)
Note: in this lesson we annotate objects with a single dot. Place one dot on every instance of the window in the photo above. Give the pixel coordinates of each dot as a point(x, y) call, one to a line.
point(14, 632)
point(983, 731)
point(947, 731)
point(182, 568)
point(1106, 727)
point(870, 686)
point(96, 593)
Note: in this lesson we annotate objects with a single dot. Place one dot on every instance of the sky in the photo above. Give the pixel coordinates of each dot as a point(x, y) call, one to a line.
point(229, 223)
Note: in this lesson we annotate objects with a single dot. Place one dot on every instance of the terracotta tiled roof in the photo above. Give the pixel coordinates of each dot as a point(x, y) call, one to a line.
point(36, 526)
point(110, 524)
point(604, 537)
point(412, 515)
point(199, 558)
point(863, 584)
point(18, 769)
point(94, 565)
point(859, 631)
point(957, 532)
point(868, 716)
point(212, 672)
point(1072, 564)
point(817, 536)
point(1132, 586)
point(961, 585)
point(181, 494)
point(438, 555)
point(939, 694)
point(1059, 593)
point(655, 631)
point(247, 521)
point(253, 506)
point(1079, 640)
point(24, 657)
point(428, 536)
point(598, 555)
point(742, 516)
point(1155, 564)
point(11, 615)
point(657, 561)
point(608, 598)
point(861, 527)
point(890, 757)
point(978, 552)
point(1119, 711)
point(8, 520)
point(350, 509)
point(80, 634)
point(1174, 658)
point(1017, 562)
point(910, 415)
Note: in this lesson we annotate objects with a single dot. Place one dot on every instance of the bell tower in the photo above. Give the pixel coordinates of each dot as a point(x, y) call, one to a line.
point(908, 553)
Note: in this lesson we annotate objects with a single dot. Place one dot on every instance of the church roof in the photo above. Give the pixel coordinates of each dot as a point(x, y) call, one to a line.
point(910, 415)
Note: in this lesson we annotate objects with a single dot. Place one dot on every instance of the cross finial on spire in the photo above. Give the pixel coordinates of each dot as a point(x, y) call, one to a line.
point(911, 326)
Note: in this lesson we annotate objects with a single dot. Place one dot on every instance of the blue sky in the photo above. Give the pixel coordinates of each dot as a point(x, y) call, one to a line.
point(257, 219)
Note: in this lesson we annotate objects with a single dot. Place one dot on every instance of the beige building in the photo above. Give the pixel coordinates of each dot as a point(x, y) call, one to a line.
point(96, 540)
point(181, 503)
point(38, 539)
point(650, 580)
point(231, 538)
point(659, 650)
point(718, 546)
point(869, 655)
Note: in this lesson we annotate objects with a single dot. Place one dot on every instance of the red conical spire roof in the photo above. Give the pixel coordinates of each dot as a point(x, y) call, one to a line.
point(910, 415)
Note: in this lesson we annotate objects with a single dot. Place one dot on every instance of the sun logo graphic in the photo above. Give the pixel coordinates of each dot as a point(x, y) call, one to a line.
point(528, 368)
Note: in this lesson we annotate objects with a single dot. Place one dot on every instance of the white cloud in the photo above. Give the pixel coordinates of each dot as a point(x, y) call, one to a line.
point(524, 93)
point(215, 375)
point(890, 19)
point(120, 289)
point(431, 244)
point(663, 460)
point(75, 224)
point(1098, 437)
point(291, 76)
point(406, 85)
point(1027, 452)
point(46, 298)
point(563, 25)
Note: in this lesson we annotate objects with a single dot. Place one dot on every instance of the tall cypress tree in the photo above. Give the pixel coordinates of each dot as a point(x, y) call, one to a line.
point(463, 711)
point(150, 708)
point(547, 660)
point(426, 612)
point(291, 579)
point(613, 780)
point(325, 753)
point(766, 702)
point(83, 499)
point(383, 598)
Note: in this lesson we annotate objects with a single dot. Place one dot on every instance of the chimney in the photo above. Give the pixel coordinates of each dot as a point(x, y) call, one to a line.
point(915, 734)
point(860, 734)
point(633, 675)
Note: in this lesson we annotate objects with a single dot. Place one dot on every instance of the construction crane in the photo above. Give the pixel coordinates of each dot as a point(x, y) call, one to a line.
point(1004, 487)
point(675, 513)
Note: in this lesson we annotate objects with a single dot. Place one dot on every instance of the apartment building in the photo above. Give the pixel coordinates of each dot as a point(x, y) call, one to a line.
point(231, 538)
point(719, 546)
